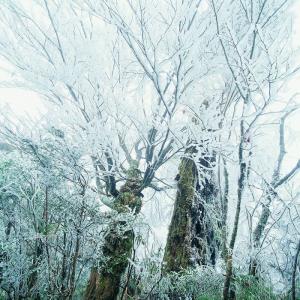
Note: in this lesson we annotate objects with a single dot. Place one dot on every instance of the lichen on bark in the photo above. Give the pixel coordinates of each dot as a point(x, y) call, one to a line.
point(104, 282)
point(191, 239)
point(178, 251)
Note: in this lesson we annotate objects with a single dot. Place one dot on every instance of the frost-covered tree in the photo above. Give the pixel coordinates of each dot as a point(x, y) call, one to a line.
point(133, 88)
point(126, 144)
point(52, 227)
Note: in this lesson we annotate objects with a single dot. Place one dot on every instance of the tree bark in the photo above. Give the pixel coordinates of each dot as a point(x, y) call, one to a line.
point(258, 232)
point(178, 248)
point(104, 283)
point(191, 239)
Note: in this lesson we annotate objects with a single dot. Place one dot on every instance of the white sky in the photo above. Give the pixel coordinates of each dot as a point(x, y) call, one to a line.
point(24, 102)
point(21, 101)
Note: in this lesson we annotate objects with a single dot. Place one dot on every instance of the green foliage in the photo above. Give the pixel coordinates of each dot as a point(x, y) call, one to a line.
point(194, 283)
point(201, 283)
point(250, 288)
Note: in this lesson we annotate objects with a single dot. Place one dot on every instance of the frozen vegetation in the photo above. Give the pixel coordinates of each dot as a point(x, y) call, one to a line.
point(165, 164)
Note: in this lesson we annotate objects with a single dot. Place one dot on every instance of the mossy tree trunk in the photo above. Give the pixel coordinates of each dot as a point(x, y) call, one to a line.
point(205, 243)
point(178, 248)
point(191, 239)
point(104, 283)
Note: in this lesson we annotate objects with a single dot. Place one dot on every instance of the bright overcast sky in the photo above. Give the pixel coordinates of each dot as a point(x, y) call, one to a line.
point(24, 102)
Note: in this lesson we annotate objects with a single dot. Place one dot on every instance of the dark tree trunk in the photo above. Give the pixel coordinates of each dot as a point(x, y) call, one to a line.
point(178, 248)
point(191, 239)
point(204, 242)
point(104, 283)
point(259, 230)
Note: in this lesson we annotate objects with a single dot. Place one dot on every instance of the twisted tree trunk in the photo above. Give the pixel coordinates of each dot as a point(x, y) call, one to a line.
point(104, 283)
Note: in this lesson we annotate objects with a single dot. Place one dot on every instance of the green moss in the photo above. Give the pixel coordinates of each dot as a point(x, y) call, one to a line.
point(128, 201)
point(177, 252)
point(247, 287)
point(129, 198)
point(104, 284)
